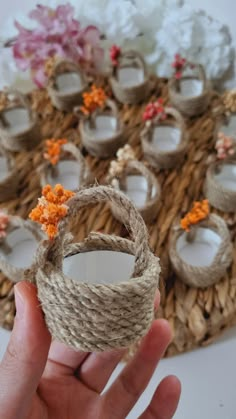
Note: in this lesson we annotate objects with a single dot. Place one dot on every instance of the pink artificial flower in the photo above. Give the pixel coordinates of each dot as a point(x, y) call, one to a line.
point(115, 52)
point(58, 34)
point(4, 220)
point(178, 64)
point(224, 146)
point(153, 109)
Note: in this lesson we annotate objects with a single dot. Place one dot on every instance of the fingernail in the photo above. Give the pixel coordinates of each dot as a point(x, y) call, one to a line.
point(20, 304)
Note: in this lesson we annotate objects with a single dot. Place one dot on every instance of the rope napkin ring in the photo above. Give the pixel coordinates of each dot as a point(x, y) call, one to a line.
point(207, 274)
point(129, 94)
point(17, 110)
point(65, 99)
point(189, 105)
point(160, 159)
point(96, 316)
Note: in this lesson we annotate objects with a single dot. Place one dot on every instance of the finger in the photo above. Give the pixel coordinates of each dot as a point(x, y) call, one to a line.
point(62, 360)
point(26, 354)
point(165, 400)
point(97, 369)
point(132, 381)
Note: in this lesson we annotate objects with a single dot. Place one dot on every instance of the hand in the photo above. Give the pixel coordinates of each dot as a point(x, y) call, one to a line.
point(40, 380)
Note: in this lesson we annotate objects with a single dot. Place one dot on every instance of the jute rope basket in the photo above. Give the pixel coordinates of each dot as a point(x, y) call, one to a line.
point(97, 317)
point(134, 94)
point(150, 209)
point(190, 105)
point(15, 222)
point(165, 159)
point(9, 184)
point(203, 276)
point(219, 196)
point(29, 137)
point(102, 147)
point(69, 152)
point(66, 101)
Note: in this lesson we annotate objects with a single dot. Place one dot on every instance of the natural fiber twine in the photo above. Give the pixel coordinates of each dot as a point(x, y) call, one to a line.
point(8, 185)
point(135, 94)
point(150, 208)
point(27, 139)
point(190, 105)
point(165, 159)
point(69, 152)
point(102, 147)
point(97, 317)
point(208, 275)
point(61, 100)
point(13, 273)
point(196, 315)
point(218, 195)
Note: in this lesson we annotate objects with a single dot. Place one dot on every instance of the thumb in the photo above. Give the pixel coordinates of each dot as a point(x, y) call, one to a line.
point(26, 354)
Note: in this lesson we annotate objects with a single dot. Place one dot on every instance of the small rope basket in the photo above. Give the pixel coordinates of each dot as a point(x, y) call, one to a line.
point(102, 147)
point(160, 159)
point(66, 99)
point(190, 105)
point(220, 196)
point(150, 209)
point(134, 94)
point(202, 276)
point(9, 183)
point(11, 272)
point(69, 153)
point(97, 316)
point(14, 137)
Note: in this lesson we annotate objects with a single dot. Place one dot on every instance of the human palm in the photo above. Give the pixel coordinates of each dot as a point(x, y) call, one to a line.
point(44, 380)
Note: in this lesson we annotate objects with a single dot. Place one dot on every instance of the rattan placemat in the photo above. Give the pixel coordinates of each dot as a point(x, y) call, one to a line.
point(196, 316)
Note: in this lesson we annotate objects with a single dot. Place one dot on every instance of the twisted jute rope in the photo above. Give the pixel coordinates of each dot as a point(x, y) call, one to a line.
point(208, 275)
point(134, 94)
point(11, 272)
point(218, 195)
point(190, 105)
point(150, 209)
point(102, 147)
point(165, 159)
point(61, 100)
point(97, 317)
point(27, 139)
point(9, 184)
point(85, 176)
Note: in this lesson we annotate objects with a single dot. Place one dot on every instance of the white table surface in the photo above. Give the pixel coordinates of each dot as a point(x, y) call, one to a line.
point(208, 379)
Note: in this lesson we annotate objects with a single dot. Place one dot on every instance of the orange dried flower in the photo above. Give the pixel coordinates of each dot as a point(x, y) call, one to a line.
point(94, 99)
point(53, 149)
point(51, 209)
point(199, 212)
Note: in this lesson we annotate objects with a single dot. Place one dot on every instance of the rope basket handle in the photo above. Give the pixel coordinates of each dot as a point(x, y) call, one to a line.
point(21, 98)
point(169, 111)
point(131, 219)
point(70, 66)
point(200, 73)
point(134, 57)
point(111, 106)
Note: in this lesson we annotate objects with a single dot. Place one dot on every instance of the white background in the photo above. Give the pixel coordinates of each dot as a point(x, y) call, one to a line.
point(208, 375)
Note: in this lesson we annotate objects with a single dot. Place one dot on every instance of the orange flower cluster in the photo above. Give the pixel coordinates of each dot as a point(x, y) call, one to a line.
point(199, 212)
point(51, 209)
point(53, 149)
point(93, 100)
